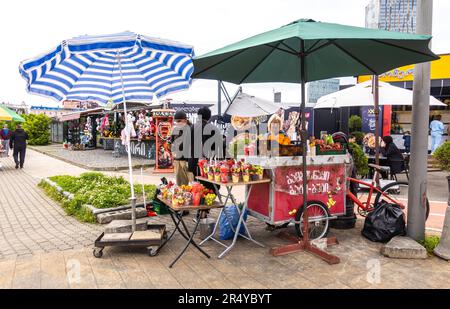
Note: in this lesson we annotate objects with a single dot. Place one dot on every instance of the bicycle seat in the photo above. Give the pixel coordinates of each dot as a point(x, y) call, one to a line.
point(380, 167)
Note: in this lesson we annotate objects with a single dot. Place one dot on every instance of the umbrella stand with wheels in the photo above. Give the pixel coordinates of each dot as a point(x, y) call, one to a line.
point(306, 50)
point(120, 68)
point(304, 244)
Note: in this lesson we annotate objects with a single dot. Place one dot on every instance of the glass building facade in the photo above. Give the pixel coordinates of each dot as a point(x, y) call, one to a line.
point(393, 15)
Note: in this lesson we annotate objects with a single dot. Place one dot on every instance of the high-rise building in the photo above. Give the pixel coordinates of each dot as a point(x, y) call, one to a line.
point(393, 15)
point(319, 88)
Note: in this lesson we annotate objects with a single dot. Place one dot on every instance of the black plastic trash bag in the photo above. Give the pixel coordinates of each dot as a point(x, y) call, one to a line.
point(384, 222)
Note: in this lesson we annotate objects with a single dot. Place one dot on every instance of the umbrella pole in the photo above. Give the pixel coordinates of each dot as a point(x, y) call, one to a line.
point(130, 168)
point(304, 244)
point(377, 125)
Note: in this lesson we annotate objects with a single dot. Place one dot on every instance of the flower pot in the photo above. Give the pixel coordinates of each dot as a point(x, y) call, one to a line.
point(235, 178)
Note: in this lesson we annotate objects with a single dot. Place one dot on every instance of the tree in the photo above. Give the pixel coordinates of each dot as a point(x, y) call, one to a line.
point(38, 129)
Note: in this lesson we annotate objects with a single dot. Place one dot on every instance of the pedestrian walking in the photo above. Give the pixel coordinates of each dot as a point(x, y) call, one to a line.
point(436, 131)
point(5, 136)
point(18, 143)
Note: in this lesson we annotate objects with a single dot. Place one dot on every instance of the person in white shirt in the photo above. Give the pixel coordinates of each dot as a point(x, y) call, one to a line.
point(436, 130)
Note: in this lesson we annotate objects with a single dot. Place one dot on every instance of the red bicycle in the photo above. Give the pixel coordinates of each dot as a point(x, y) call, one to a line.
point(370, 194)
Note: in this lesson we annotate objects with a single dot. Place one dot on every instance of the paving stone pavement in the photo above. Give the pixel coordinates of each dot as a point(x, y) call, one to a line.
point(96, 159)
point(41, 247)
point(32, 223)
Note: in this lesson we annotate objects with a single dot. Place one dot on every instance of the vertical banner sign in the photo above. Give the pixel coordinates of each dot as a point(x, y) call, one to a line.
point(164, 124)
point(368, 119)
point(387, 115)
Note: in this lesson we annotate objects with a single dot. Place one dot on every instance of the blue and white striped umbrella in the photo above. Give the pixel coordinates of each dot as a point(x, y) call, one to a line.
point(90, 67)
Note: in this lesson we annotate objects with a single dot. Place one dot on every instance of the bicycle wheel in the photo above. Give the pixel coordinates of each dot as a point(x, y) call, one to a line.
point(318, 220)
point(398, 194)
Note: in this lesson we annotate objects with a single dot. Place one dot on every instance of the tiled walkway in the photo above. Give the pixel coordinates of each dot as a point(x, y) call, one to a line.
point(32, 223)
point(41, 247)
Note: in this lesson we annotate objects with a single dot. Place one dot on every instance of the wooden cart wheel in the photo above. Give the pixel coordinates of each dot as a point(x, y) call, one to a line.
point(318, 219)
point(98, 252)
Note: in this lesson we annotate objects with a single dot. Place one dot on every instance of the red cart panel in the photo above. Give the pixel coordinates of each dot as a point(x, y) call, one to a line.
point(326, 183)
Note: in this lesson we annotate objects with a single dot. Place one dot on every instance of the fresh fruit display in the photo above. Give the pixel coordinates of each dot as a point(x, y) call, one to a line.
point(246, 168)
point(326, 145)
point(258, 171)
point(203, 165)
point(224, 173)
point(235, 173)
point(186, 195)
point(217, 172)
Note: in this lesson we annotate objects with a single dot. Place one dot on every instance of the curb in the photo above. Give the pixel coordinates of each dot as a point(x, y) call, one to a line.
point(92, 168)
point(95, 211)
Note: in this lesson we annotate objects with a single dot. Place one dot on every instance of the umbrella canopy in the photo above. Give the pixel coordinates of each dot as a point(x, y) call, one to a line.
point(329, 50)
point(7, 114)
point(119, 68)
point(245, 105)
point(88, 68)
point(361, 95)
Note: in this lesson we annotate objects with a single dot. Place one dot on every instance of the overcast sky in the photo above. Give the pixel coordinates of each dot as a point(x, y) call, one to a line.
point(29, 28)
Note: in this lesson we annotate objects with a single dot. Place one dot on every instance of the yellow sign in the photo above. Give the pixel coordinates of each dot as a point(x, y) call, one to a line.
point(440, 69)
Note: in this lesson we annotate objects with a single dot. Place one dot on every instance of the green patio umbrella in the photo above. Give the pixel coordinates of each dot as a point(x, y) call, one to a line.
point(306, 50)
point(7, 114)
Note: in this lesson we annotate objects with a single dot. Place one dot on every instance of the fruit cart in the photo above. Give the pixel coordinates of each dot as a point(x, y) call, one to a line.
point(280, 201)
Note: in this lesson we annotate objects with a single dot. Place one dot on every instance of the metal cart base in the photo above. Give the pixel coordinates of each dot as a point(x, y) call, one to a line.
point(241, 221)
point(153, 245)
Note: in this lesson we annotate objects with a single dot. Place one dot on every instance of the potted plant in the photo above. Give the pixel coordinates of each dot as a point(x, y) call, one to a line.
point(354, 123)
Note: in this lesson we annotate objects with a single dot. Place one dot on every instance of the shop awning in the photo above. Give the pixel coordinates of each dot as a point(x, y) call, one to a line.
point(68, 117)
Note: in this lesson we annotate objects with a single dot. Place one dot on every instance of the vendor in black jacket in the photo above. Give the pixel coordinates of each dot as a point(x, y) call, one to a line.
point(18, 142)
point(206, 142)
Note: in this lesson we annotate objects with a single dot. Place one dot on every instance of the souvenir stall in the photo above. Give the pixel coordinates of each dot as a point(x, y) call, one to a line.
point(80, 130)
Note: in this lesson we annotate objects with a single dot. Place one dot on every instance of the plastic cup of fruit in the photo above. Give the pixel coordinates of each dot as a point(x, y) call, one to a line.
point(196, 199)
point(217, 177)
point(246, 176)
point(224, 177)
point(235, 178)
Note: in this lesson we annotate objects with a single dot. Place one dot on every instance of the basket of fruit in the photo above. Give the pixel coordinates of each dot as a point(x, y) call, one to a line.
point(330, 148)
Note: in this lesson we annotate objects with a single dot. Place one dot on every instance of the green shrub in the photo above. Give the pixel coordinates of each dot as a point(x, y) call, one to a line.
point(359, 159)
point(354, 123)
point(11, 124)
point(38, 128)
point(430, 242)
point(442, 155)
point(359, 136)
